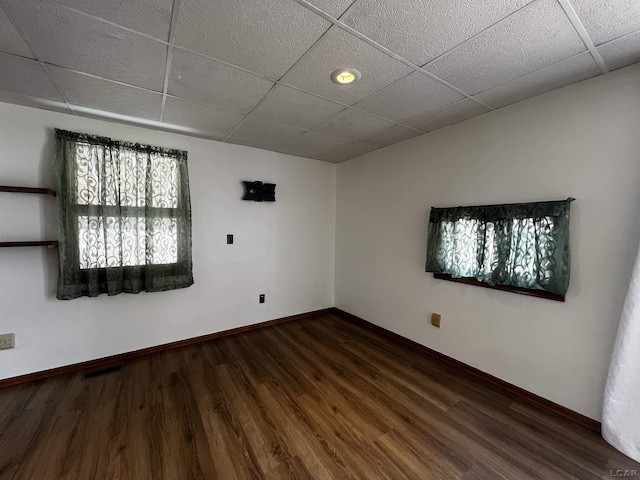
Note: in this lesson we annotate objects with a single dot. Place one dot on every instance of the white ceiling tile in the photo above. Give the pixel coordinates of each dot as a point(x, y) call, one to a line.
point(106, 95)
point(353, 125)
point(422, 30)
point(335, 8)
point(74, 41)
point(297, 152)
point(555, 76)
point(409, 97)
point(348, 152)
point(34, 102)
point(339, 49)
point(26, 76)
point(291, 106)
point(264, 36)
point(152, 17)
point(250, 143)
point(201, 117)
point(458, 112)
point(10, 39)
point(532, 38)
point(201, 79)
point(621, 52)
point(396, 134)
point(318, 143)
point(264, 131)
point(605, 20)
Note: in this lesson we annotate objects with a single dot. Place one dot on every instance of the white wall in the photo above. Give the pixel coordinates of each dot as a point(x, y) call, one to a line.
point(581, 141)
point(284, 249)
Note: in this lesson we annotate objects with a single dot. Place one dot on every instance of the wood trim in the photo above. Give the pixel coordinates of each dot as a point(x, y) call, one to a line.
point(525, 395)
point(505, 288)
point(45, 243)
point(100, 362)
point(42, 191)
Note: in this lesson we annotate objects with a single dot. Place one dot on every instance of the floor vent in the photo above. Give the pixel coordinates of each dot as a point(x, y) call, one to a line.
point(104, 371)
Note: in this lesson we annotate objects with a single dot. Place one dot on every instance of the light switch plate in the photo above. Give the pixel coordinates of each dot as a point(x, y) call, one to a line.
point(7, 340)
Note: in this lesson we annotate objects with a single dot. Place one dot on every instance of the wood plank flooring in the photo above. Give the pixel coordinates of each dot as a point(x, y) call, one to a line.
point(318, 398)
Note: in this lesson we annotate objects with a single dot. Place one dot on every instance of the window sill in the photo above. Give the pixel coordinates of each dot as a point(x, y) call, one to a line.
point(504, 288)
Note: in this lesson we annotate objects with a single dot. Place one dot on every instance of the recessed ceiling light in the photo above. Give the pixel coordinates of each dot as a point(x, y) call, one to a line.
point(345, 76)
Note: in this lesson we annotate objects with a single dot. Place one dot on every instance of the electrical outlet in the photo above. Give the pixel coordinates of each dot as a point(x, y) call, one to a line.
point(435, 319)
point(230, 239)
point(7, 340)
point(262, 298)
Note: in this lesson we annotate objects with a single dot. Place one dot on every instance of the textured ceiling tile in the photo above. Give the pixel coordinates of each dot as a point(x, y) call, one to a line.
point(335, 8)
point(422, 30)
point(10, 39)
point(348, 152)
point(555, 76)
point(353, 125)
point(152, 17)
point(338, 49)
point(608, 19)
point(532, 38)
point(249, 143)
point(74, 41)
point(458, 112)
point(202, 117)
point(34, 102)
point(291, 106)
point(396, 134)
point(109, 96)
point(319, 143)
point(264, 131)
point(409, 97)
point(264, 36)
point(297, 153)
point(621, 52)
point(22, 75)
point(204, 80)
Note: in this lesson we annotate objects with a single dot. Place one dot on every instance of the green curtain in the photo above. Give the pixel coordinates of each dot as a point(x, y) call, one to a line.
point(524, 245)
point(124, 217)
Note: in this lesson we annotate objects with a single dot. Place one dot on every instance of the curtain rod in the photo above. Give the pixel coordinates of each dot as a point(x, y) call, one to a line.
point(570, 199)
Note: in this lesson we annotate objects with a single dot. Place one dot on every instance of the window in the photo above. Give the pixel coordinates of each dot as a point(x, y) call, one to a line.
point(124, 217)
point(519, 247)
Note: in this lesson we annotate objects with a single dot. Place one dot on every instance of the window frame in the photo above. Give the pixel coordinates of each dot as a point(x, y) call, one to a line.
point(120, 211)
point(533, 292)
point(84, 210)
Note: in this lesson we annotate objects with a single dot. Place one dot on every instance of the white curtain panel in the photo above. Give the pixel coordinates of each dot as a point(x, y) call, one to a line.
point(621, 409)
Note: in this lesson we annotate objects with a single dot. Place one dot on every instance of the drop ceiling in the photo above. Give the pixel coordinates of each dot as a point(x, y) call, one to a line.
point(256, 72)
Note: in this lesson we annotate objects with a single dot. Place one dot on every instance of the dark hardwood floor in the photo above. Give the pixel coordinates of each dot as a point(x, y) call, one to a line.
point(318, 398)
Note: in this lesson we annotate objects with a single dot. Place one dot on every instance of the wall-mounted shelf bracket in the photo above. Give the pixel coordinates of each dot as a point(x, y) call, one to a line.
point(44, 243)
point(41, 191)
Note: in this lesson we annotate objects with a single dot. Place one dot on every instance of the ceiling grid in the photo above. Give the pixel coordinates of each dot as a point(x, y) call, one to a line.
point(573, 18)
point(175, 11)
point(256, 72)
